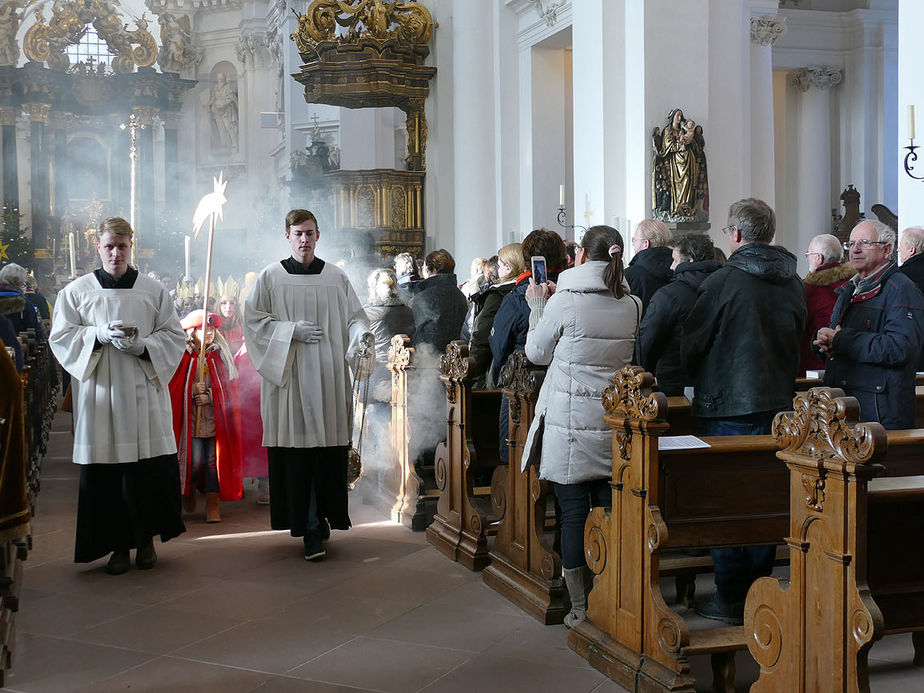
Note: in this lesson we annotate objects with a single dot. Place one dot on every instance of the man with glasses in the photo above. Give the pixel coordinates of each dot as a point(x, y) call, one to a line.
point(827, 272)
point(650, 268)
point(740, 345)
point(877, 328)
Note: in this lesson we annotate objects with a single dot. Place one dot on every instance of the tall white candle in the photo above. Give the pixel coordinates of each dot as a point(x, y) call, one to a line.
point(911, 122)
point(187, 241)
point(73, 253)
point(561, 195)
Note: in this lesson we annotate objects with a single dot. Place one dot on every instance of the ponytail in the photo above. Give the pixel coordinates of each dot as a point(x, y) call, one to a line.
point(604, 243)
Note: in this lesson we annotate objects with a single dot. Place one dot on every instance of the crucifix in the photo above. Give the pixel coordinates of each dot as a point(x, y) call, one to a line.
point(133, 126)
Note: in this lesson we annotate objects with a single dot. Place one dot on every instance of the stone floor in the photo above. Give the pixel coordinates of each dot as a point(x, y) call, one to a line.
point(234, 607)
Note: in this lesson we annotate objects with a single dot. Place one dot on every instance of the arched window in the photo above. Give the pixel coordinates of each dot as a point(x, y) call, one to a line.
point(91, 49)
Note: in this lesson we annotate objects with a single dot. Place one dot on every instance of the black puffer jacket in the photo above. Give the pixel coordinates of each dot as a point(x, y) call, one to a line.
point(658, 349)
point(649, 270)
point(741, 340)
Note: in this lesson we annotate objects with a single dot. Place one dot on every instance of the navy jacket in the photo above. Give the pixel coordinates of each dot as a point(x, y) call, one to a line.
point(658, 347)
point(875, 354)
point(741, 340)
point(913, 268)
point(649, 270)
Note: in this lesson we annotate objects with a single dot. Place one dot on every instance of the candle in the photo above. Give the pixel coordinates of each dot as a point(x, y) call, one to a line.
point(561, 195)
point(54, 254)
point(70, 245)
point(186, 276)
point(911, 122)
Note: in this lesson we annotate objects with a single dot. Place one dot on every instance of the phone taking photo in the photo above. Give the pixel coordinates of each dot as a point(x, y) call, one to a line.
point(540, 276)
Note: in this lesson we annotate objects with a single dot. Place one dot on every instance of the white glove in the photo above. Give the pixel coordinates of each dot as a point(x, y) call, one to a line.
point(106, 333)
point(130, 345)
point(308, 332)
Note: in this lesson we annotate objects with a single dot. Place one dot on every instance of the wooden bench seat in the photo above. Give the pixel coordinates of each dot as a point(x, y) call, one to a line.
point(856, 568)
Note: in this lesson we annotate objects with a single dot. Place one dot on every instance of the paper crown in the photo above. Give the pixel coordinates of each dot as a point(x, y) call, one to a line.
point(228, 287)
point(194, 320)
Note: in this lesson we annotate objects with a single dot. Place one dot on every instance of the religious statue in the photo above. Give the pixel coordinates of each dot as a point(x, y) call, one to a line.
point(9, 25)
point(223, 110)
point(680, 188)
point(176, 50)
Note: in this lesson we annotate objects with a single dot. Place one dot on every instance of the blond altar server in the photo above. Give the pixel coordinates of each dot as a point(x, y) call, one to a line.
point(115, 331)
point(303, 323)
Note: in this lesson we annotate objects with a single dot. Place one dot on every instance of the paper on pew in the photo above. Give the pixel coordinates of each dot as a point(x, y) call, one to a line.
point(814, 374)
point(681, 443)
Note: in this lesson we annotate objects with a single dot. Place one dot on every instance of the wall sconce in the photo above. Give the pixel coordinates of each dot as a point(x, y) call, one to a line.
point(911, 157)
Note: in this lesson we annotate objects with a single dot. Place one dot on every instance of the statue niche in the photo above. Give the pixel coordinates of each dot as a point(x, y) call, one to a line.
point(679, 184)
point(223, 109)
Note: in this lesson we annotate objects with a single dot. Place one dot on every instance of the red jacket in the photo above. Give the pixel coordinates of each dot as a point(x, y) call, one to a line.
point(227, 434)
point(820, 297)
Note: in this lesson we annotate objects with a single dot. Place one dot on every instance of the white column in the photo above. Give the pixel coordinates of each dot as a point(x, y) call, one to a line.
point(476, 218)
point(765, 31)
point(910, 93)
point(814, 197)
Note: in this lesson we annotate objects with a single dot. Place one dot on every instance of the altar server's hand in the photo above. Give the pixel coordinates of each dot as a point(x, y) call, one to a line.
point(130, 345)
point(308, 332)
point(106, 333)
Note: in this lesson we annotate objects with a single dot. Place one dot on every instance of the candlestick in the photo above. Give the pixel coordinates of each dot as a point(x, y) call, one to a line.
point(73, 254)
point(911, 122)
point(186, 275)
point(561, 195)
point(54, 254)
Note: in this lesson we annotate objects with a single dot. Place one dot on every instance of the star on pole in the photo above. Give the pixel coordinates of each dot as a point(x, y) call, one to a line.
point(210, 204)
point(3, 253)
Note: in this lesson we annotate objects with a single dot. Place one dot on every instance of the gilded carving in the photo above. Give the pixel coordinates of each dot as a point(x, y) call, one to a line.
point(176, 42)
point(823, 426)
point(407, 22)
point(36, 112)
point(48, 42)
point(8, 115)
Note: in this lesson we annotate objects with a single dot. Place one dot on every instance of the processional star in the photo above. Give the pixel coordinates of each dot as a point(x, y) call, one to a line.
point(3, 248)
point(210, 204)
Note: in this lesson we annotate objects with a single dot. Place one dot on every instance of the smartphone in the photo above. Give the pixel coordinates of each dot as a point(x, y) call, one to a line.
point(540, 276)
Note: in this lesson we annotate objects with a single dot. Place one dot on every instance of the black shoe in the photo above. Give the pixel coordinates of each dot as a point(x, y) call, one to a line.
point(119, 562)
point(146, 557)
point(718, 609)
point(314, 549)
point(324, 529)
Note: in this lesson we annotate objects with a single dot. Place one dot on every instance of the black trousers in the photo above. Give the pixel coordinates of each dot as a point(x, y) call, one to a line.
point(296, 475)
point(122, 506)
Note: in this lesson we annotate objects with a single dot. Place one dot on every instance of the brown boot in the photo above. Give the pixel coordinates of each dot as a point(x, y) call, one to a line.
point(211, 510)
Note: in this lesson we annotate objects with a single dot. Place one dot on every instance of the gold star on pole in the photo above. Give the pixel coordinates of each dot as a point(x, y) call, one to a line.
point(3, 253)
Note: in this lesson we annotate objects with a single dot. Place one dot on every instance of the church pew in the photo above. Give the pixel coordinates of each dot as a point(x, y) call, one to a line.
point(460, 526)
point(524, 566)
point(408, 487)
point(856, 567)
point(730, 494)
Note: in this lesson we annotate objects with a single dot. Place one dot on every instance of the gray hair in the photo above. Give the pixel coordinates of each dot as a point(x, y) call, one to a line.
point(14, 275)
point(405, 263)
point(884, 232)
point(914, 237)
point(829, 247)
point(754, 219)
point(655, 232)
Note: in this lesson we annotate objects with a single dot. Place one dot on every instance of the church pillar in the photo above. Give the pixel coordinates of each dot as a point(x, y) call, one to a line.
point(8, 115)
point(765, 32)
point(476, 210)
point(815, 196)
point(171, 180)
point(910, 115)
point(60, 167)
point(41, 201)
point(145, 172)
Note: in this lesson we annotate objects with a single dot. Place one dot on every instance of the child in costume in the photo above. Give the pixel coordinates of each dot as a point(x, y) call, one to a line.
point(229, 308)
point(205, 422)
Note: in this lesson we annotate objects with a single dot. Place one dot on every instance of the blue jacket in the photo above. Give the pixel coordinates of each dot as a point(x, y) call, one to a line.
point(875, 354)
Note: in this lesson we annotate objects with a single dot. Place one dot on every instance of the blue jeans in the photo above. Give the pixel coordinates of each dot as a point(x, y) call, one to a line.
point(204, 460)
point(575, 501)
point(737, 568)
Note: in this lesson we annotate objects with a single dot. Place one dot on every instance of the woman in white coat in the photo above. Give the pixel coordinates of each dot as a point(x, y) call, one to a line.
point(584, 329)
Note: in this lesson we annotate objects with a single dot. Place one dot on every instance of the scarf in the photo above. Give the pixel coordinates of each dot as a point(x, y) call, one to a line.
point(865, 289)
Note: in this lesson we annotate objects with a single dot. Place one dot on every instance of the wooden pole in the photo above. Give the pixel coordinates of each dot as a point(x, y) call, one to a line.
point(200, 378)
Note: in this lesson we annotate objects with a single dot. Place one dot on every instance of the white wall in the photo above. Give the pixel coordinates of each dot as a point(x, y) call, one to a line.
point(910, 92)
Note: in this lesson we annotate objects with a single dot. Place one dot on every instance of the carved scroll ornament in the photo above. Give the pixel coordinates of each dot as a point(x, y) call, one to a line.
point(48, 42)
point(631, 395)
point(407, 22)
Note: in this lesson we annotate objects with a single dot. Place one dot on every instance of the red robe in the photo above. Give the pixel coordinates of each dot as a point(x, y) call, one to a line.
point(227, 430)
point(233, 335)
point(255, 461)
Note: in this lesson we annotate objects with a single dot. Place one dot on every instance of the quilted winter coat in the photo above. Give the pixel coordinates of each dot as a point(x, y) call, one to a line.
point(584, 335)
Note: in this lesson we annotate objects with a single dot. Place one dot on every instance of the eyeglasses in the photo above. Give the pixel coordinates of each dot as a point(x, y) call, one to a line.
point(810, 254)
point(863, 243)
point(728, 229)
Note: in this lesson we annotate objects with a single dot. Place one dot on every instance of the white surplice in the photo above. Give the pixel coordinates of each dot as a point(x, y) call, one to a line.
point(306, 388)
point(122, 410)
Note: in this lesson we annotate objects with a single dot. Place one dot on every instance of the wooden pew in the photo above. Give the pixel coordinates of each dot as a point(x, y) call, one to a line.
point(856, 566)
point(524, 566)
point(463, 512)
point(408, 488)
